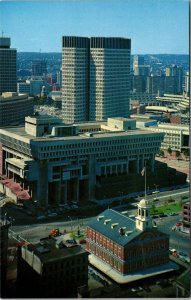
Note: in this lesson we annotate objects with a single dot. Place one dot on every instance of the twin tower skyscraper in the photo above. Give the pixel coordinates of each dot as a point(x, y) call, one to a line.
point(95, 78)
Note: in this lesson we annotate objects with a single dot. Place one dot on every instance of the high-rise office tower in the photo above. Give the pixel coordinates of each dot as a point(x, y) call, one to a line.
point(139, 67)
point(187, 83)
point(95, 78)
point(75, 78)
point(155, 85)
point(138, 60)
point(39, 67)
point(8, 66)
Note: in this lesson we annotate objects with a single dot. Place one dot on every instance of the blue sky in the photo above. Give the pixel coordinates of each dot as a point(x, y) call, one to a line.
point(154, 26)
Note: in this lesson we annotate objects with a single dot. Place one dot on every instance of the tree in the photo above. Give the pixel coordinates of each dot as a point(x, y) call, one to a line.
point(186, 153)
point(162, 153)
point(177, 154)
point(169, 150)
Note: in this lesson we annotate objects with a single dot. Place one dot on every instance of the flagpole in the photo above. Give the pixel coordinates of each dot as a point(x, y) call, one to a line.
point(145, 181)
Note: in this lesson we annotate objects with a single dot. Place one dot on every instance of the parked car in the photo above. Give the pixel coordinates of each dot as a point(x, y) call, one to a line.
point(53, 214)
point(73, 242)
point(137, 289)
point(178, 224)
point(74, 206)
point(82, 241)
point(41, 218)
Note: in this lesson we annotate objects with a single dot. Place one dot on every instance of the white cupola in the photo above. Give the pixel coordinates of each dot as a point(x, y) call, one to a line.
point(143, 218)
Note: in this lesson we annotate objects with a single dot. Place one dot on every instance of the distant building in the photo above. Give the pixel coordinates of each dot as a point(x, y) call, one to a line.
point(173, 80)
point(39, 67)
point(36, 84)
point(63, 163)
point(59, 78)
point(138, 60)
point(14, 108)
point(8, 66)
point(187, 83)
point(155, 85)
point(139, 67)
point(54, 267)
point(95, 78)
point(142, 71)
point(23, 87)
point(139, 84)
point(33, 86)
point(142, 98)
point(128, 249)
point(181, 102)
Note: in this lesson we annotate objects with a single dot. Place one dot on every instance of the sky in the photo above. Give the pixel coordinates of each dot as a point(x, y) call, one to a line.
point(154, 26)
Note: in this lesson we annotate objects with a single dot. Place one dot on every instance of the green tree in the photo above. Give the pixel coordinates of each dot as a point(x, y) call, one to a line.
point(180, 203)
point(169, 150)
point(177, 154)
point(161, 153)
point(186, 153)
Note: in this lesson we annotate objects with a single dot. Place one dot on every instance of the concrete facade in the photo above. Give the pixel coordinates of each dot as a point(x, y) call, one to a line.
point(95, 78)
point(14, 108)
point(176, 136)
point(62, 163)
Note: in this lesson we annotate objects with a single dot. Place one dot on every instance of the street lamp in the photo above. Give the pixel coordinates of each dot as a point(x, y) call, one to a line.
point(156, 191)
point(70, 221)
point(156, 185)
point(121, 198)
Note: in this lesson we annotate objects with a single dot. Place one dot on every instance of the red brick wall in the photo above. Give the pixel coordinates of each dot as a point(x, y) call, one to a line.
point(129, 259)
point(102, 247)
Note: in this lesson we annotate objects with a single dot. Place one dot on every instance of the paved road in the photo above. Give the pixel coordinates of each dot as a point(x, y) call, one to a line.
point(33, 233)
point(178, 240)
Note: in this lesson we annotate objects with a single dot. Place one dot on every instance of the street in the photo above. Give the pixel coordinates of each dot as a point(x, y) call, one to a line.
point(33, 233)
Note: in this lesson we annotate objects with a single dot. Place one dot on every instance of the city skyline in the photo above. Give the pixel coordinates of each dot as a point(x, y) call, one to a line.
point(154, 26)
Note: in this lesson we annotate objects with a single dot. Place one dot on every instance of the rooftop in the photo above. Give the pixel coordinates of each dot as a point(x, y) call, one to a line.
point(116, 226)
point(47, 251)
point(20, 133)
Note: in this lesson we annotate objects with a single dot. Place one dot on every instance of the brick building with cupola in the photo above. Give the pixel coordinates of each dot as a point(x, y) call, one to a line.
point(126, 248)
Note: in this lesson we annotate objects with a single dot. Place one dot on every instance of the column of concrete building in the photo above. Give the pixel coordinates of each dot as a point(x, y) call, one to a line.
point(42, 184)
point(92, 177)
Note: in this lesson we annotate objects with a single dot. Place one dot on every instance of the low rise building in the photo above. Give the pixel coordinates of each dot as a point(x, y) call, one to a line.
point(176, 136)
point(61, 163)
point(182, 284)
point(181, 102)
point(53, 268)
point(14, 108)
point(186, 217)
point(128, 249)
point(4, 228)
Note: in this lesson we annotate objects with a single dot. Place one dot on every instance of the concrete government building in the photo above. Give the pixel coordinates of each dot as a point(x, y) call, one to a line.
point(14, 107)
point(60, 163)
point(95, 78)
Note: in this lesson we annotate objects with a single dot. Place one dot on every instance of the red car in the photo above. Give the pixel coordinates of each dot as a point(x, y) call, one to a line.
point(178, 224)
point(82, 241)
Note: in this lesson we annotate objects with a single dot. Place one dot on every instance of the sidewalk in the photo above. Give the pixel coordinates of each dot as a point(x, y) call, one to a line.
point(122, 279)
